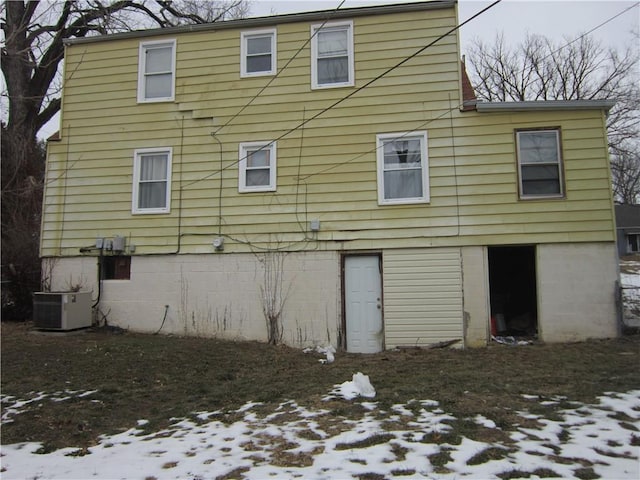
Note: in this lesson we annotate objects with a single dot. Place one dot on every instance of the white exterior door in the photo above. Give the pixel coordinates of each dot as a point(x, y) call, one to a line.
point(363, 303)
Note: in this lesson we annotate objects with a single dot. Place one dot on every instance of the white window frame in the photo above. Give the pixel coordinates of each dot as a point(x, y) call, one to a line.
point(144, 47)
point(424, 165)
point(314, 54)
point(243, 150)
point(138, 154)
point(558, 163)
point(244, 51)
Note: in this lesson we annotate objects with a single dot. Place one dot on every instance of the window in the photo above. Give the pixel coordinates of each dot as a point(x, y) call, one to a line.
point(258, 53)
point(257, 167)
point(633, 243)
point(539, 163)
point(332, 55)
point(117, 267)
point(152, 180)
point(403, 175)
point(156, 71)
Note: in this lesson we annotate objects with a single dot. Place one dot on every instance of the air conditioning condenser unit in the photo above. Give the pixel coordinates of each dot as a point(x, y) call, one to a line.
point(62, 310)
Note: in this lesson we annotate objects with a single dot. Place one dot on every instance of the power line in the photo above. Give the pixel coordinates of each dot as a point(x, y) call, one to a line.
point(273, 78)
point(579, 37)
point(356, 91)
point(448, 111)
point(375, 149)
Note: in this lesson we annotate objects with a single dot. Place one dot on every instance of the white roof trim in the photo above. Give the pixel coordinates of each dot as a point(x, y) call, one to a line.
point(544, 105)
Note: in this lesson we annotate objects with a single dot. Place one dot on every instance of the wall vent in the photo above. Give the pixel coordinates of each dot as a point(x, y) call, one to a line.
point(61, 310)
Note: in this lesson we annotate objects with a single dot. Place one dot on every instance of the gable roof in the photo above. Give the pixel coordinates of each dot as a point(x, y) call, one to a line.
point(316, 16)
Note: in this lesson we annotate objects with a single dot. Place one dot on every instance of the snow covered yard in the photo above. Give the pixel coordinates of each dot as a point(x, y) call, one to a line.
point(630, 282)
point(108, 406)
point(413, 440)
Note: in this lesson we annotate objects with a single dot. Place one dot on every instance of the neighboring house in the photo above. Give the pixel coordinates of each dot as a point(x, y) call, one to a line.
point(628, 229)
point(213, 174)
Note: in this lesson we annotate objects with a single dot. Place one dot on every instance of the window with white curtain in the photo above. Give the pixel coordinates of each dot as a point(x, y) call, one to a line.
point(332, 55)
point(151, 180)
point(156, 71)
point(403, 168)
point(257, 167)
point(257, 53)
point(539, 163)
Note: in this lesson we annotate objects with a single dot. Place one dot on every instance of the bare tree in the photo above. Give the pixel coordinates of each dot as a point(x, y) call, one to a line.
point(625, 170)
point(540, 69)
point(273, 292)
point(32, 52)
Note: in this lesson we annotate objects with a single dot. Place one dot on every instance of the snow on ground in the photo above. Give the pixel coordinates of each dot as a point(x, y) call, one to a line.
point(630, 282)
point(408, 441)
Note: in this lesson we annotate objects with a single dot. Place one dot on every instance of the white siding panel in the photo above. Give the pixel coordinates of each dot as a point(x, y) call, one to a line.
point(422, 296)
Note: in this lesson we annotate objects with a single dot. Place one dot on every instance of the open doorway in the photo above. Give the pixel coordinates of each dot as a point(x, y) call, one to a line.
point(512, 286)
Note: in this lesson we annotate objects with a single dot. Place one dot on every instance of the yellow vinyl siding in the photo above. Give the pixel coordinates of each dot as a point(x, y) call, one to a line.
point(326, 170)
point(423, 296)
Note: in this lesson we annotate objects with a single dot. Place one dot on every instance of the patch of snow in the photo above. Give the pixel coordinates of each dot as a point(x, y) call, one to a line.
point(16, 406)
point(484, 421)
point(344, 448)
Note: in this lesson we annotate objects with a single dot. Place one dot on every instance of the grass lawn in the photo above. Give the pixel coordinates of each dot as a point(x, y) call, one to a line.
point(161, 377)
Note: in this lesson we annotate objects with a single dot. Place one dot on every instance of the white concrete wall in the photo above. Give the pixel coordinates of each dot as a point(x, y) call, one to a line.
point(216, 295)
point(71, 273)
point(576, 291)
point(220, 295)
point(475, 287)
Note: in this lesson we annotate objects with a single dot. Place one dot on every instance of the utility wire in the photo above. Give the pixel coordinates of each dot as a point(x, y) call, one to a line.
point(273, 78)
point(377, 147)
point(579, 37)
point(356, 91)
point(593, 29)
point(446, 112)
point(417, 128)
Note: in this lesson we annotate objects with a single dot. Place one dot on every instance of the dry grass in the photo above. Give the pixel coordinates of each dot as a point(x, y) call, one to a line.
point(160, 377)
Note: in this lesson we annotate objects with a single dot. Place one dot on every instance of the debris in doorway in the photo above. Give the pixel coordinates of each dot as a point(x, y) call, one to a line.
point(328, 352)
point(509, 340)
point(359, 386)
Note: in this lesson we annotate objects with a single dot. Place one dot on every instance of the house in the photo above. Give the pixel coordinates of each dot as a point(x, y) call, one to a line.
point(628, 229)
point(318, 178)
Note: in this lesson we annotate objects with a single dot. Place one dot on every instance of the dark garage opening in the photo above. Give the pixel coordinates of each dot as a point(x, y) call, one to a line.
point(512, 286)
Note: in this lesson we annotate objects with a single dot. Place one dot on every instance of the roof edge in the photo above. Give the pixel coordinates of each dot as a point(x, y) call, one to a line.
point(320, 15)
point(544, 105)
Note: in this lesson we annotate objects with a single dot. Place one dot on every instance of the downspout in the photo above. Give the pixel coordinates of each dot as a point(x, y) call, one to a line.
point(100, 258)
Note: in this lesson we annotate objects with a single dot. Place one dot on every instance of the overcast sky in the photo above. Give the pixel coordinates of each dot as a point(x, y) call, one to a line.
point(513, 17)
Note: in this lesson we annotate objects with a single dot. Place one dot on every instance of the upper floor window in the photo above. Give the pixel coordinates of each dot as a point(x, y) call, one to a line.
point(257, 167)
point(332, 55)
point(403, 168)
point(539, 163)
point(156, 71)
point(258, 53)
point(151, 180)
